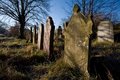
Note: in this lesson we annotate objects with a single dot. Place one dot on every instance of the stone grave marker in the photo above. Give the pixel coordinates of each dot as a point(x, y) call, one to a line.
point(59, 30)
point(40, 37)
point(105, 32)
point(49, 37)
point(34, 35)
point(59, 42)
point(77, 34)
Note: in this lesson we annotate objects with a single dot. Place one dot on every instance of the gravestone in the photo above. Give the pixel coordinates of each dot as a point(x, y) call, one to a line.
point(34, 35)
point(41, 37)
point(31, 33)
point(77, 34)
point(49, 37)
point(59, 33)
point(59, 30)
point(59, 42)
point(105, 32)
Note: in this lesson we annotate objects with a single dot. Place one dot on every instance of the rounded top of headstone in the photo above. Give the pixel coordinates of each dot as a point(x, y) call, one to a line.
point(76, 8)
point(59, 27)
point(50, 20)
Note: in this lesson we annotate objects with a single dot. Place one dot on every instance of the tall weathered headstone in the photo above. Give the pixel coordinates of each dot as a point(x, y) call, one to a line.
point(77, 35)
point(31, 35)
point(49, 37)
point(34, 35)
point(105, 32)
point(40, 37)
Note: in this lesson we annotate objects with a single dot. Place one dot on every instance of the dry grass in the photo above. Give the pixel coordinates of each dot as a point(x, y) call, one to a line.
point(21, 61)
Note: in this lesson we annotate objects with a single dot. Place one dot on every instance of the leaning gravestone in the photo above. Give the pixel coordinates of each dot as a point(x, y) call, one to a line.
point(105, 32)
point(41, 37)
point(49, 37)
point(77, 35)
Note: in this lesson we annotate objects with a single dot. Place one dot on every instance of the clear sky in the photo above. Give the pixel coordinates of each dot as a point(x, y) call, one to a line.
point(57, 11)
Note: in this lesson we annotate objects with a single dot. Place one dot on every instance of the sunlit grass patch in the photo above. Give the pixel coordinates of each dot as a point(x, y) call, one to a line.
point(61, 71)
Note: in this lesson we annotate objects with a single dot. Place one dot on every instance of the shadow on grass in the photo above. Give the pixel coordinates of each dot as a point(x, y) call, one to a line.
point(6, 77)
point(105, 68)
point(21, 67)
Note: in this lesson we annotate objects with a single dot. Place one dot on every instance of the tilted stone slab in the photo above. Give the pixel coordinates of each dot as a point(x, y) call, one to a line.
point(77, 35)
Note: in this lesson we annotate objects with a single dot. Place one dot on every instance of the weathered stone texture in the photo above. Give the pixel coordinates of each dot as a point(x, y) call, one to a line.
point(76, 41)
point(40, 37)
point(49, 37)
point(105, 32)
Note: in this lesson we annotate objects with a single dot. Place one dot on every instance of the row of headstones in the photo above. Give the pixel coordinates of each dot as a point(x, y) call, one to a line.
point(44, 37)
point(77, 33)
point(104, 34)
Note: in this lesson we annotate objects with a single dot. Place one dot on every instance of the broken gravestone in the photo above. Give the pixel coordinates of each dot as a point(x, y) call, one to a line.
point(105, 32)
point(40, 37)
point(49, 37)
point(77, 34)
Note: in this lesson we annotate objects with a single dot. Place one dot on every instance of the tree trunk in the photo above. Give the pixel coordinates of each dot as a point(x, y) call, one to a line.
point(22, 26)
point(91, 7)
point(83, 5)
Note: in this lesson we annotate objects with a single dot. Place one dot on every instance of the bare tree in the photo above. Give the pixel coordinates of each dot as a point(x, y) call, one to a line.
point(97, 8)
point(24, 11)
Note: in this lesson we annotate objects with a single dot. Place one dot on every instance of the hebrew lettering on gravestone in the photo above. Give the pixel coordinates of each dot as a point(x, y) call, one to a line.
point(77, 35)
point(49, 37)
point(40, 37)
point(105, 32)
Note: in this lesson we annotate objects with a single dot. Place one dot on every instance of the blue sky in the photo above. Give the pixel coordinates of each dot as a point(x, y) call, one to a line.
point(57, 11)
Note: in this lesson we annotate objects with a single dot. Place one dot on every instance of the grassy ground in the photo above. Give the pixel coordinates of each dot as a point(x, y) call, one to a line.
point(105, 61)
point(23, 61)
point(20, 60)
